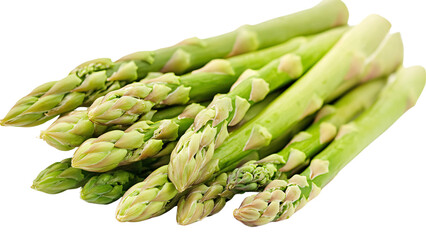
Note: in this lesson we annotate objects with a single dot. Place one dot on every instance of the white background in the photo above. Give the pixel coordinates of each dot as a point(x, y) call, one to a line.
point(379, 195)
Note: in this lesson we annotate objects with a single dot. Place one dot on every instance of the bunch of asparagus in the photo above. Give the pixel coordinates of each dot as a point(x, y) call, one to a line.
point(277, 108)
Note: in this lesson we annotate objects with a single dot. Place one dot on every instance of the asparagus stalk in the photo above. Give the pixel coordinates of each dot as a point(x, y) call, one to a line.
point(255, 175)
point(281, 199)
point(210, 125)
point(209, 198)
point(142, 140)
point(157, 194)
point(72, 129)
point(344, 61)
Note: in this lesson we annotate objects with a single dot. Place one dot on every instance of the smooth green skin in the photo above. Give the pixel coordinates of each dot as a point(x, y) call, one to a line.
point(316, 85)
point(59, 177)
point(385, 61)
point(167, 113)
point(256, 109)
point(392, 103)
point(325, 15)
point(255, 175)
point(309, 52)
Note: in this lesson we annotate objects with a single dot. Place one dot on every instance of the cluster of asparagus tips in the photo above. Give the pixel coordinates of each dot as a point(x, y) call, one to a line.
point(142, 140)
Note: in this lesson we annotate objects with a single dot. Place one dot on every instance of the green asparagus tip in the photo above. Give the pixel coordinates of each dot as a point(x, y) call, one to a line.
point(147, 199)
point(251, 176)
point(107, 187)
point(59, 177)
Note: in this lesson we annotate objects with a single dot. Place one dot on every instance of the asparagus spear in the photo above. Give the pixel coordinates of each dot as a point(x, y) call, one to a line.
point(97, 77)
point(210, 125)
point(281, 199)
point(72, 129)
point(142, 140)
point(209, 198)
point(257, 174)
point(344, 61)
